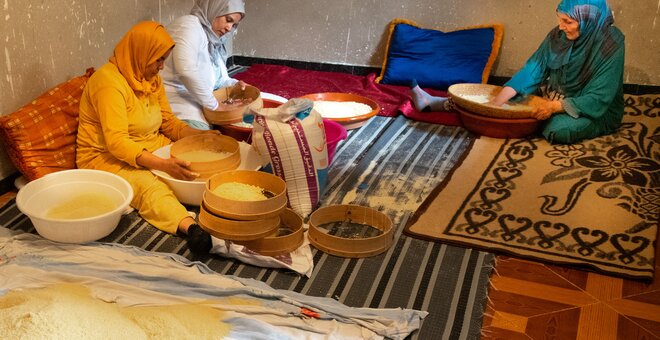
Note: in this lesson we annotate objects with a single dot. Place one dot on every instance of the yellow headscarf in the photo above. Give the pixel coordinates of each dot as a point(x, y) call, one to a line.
point(142, 45)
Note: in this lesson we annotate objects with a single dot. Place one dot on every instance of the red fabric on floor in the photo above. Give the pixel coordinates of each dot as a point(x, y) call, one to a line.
point(291, 82)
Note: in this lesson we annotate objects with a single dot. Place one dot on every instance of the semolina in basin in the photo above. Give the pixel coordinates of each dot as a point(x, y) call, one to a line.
point(349, 121)
point(474, 98)
point(208, 154)
point(88, 204)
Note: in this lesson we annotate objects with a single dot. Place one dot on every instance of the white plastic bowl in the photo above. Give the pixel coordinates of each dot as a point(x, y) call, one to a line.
point(191, 192)
point(36, 198)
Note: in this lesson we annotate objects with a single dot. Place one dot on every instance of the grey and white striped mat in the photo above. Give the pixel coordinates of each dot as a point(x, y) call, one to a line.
point(390, 165)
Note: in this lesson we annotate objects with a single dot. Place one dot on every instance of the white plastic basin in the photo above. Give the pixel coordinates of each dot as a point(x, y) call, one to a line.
point(38, 197)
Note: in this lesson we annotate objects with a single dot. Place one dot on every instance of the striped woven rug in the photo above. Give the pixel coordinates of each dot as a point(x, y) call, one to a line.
point(391, 165)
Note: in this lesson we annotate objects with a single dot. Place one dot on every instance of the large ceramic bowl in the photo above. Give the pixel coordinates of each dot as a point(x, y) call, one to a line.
point(90, 204)
point(498, 127)
point(474, 98)
point(191, 192)
point(349, 122)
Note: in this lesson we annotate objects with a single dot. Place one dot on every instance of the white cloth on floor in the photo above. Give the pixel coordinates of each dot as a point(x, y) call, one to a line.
point(131, 276)
point(299, 260)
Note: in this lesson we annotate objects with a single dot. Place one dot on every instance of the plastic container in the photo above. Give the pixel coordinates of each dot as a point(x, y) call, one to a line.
point(38, 197)
point(334, 133)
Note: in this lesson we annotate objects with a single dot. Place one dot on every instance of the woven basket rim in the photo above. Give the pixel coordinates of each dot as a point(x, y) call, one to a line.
point(457, 91)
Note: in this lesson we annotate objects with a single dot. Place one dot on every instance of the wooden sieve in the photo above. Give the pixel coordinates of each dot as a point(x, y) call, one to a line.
point(233, 230)
point(217, 143)
point(274, 245)
point(236, 115)
point(349, 247)
point(246, 210)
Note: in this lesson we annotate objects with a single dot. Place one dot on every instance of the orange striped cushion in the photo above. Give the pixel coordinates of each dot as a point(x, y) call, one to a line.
point(40, 137)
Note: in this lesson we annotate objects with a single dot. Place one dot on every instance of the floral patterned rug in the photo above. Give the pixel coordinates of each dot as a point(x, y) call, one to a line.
point(593, 205)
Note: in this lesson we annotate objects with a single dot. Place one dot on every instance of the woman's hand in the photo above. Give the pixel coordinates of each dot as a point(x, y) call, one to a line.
point(234, 103)
point(505, 94)
point(179, 169)
point(242, 84)
point(174, 167)
point(546, 108)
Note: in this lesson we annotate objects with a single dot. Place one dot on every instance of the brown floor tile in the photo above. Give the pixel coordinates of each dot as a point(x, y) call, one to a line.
point(597, 321)
point(556, 325)
point(631, 287)
point(521, 305)
point(650, 297)
point(575, 277)
point(636, 309)
point(494, 333)
point(637, 329)
point(539, 301)
point(569, 297)
point(533, 272)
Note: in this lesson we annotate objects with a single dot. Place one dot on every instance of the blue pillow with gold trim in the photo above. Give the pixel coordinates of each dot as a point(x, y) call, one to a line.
point(439, 59)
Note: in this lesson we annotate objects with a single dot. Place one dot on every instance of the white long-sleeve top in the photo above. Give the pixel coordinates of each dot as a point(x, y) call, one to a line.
point(189, 75)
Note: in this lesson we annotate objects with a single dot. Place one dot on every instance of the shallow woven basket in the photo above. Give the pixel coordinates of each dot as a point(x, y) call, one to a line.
point(234, 116)
point(520, 109)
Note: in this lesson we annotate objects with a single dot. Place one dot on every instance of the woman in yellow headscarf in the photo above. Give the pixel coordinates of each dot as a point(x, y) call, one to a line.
point(124, 116)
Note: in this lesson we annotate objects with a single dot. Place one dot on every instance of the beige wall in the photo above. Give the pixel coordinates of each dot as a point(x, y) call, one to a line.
point(352, 32)
point(46, 42)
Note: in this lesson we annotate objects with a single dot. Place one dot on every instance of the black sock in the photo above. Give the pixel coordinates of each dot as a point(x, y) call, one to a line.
point(199, 241)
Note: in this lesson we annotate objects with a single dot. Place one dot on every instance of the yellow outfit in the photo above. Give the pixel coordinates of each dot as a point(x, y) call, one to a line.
point(122, 114)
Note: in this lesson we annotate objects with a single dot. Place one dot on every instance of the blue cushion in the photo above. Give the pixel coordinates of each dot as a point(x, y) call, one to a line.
point(437, 59)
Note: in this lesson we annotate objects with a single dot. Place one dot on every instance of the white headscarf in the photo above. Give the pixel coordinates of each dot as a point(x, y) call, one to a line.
point(207, 11)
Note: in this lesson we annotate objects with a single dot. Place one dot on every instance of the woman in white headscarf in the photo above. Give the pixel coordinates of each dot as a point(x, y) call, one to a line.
point(197, 66)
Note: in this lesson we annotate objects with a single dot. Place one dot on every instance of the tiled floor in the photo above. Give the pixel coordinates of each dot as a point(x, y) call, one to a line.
point(530, 300)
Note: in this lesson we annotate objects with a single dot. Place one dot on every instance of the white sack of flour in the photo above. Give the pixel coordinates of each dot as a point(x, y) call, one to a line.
point(292, 139)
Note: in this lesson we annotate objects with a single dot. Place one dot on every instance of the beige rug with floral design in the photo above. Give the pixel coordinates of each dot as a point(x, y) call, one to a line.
point(593, 205)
